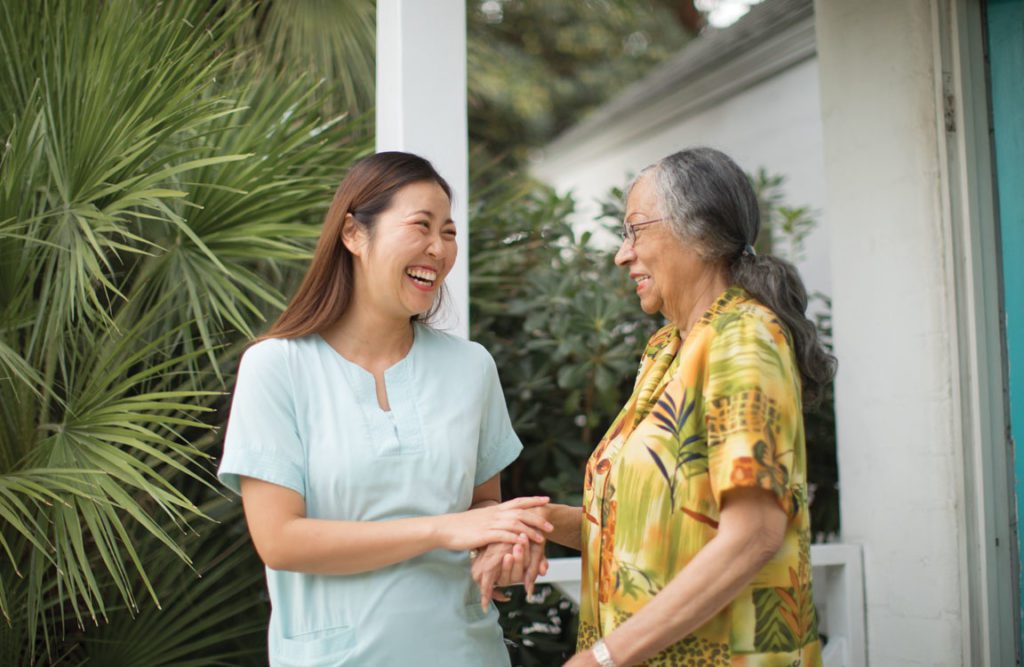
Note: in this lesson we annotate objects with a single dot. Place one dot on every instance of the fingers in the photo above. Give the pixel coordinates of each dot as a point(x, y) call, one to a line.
point(510, 529)
point(526, 502)
point(534, 520)
point(507, 563)
point(519, 553)
point(493, 576)
point(507, 536)
point(534, 566)
point(487, 586)
point(486, 562)
point(519, 523)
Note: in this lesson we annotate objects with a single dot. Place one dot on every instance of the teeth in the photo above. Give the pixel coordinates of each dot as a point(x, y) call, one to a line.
point(422, 275)
point(640, 279)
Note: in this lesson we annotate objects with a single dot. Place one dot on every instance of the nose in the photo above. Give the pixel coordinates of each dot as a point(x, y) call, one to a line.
point(625, 254)
point(436, 246)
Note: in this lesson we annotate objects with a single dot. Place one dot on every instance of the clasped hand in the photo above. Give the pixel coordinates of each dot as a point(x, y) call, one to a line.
point(502, 564)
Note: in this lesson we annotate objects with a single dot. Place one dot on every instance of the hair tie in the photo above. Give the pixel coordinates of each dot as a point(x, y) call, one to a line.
point(748, 251)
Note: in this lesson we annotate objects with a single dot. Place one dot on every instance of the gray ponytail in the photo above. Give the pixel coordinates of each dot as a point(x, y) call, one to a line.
point(711, 205)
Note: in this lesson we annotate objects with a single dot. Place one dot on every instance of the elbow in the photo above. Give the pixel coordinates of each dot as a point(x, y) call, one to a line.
point(277, 562)
point(765, 543)
point(276, 552)
point(274, 558)
point(755, 545)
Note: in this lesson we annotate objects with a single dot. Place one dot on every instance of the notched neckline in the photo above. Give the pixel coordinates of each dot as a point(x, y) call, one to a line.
point(390, 370)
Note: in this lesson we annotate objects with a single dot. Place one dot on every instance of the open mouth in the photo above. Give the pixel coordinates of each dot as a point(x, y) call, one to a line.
point(641, 281)
point(422, 277)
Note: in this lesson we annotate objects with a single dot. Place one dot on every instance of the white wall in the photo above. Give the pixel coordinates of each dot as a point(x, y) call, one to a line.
point(775, 124)
point(892, 287)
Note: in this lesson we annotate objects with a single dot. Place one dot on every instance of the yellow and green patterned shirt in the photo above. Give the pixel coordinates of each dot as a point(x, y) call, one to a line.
point(720, 411)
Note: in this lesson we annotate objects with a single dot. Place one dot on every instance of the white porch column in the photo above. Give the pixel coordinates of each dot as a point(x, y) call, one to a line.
point(421, 108)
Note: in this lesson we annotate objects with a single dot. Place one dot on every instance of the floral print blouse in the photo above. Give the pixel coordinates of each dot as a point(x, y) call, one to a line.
point(719, 411)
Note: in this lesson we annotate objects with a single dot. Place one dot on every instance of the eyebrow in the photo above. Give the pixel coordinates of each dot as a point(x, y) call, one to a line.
point(429, 215)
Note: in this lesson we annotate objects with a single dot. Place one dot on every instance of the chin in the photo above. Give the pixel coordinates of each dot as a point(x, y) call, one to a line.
point(419, 310)
point(649, 307)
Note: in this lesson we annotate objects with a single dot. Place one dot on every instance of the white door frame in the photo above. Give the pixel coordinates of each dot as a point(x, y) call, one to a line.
point(988, 598)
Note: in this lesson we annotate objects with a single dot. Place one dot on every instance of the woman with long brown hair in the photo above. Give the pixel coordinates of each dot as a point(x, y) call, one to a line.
point(367, 446)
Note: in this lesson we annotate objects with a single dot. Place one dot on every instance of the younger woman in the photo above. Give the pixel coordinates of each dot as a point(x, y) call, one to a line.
point(367, 446)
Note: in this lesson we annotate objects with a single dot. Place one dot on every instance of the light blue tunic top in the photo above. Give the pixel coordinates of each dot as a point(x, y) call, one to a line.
point(307, 419)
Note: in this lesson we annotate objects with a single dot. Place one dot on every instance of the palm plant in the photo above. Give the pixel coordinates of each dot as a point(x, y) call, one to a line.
point(156, 185)
point(335, 41)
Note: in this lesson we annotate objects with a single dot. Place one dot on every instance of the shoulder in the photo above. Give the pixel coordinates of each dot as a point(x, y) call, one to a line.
point(745, 323)
point(448, 347)
point(267, 351)
point(748, 345)
point(272, 357)
point(750, 351)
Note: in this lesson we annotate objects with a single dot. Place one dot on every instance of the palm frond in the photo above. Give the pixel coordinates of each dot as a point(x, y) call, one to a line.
point(335, 41)
point(209, 615)
point(242, 217)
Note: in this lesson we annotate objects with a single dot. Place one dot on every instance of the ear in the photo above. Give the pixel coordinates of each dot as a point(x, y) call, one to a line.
point(353, 235)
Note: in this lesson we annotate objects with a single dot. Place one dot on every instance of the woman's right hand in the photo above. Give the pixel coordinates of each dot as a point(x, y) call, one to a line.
point(476, 528)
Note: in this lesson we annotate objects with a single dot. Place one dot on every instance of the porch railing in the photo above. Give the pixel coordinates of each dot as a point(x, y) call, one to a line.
point(838, 596)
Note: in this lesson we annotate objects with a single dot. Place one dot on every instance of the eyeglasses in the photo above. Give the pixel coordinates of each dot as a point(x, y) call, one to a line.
point(628, 232)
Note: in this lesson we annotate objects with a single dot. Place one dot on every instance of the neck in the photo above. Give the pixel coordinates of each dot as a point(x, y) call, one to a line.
point(370, 337)
point(698, 301)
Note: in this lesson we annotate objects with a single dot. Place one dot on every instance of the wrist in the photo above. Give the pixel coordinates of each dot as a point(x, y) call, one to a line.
point(434, 533)
point(550, 513)
point(602, 654)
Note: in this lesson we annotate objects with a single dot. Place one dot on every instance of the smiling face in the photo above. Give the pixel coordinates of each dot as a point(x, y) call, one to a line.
point(666, 270)
point(400, 268)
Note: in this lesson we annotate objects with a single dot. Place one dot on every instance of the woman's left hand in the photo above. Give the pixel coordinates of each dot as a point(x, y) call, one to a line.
point(504, 565)
point(493, 568)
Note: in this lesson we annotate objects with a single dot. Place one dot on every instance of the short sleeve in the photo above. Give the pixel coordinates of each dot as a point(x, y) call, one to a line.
point(752, 410)
point(499, 445)
point(262, 439)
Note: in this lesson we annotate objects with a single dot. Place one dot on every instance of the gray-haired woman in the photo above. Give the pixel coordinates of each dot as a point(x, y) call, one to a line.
point(694, 526)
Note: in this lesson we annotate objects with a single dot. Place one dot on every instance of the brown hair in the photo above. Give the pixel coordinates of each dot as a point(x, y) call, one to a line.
point(326, 291)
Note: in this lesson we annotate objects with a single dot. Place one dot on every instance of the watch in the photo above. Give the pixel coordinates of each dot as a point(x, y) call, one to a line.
point(600, 651)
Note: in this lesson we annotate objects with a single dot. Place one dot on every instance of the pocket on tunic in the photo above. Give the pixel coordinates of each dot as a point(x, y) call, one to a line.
point(328, 646)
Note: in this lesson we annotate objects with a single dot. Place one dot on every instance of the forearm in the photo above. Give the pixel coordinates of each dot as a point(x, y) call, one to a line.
point(714, 577)
point(319, 546)
point(566, 520)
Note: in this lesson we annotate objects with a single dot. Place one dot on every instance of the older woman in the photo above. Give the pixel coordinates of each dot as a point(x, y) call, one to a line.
point(694, 527)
